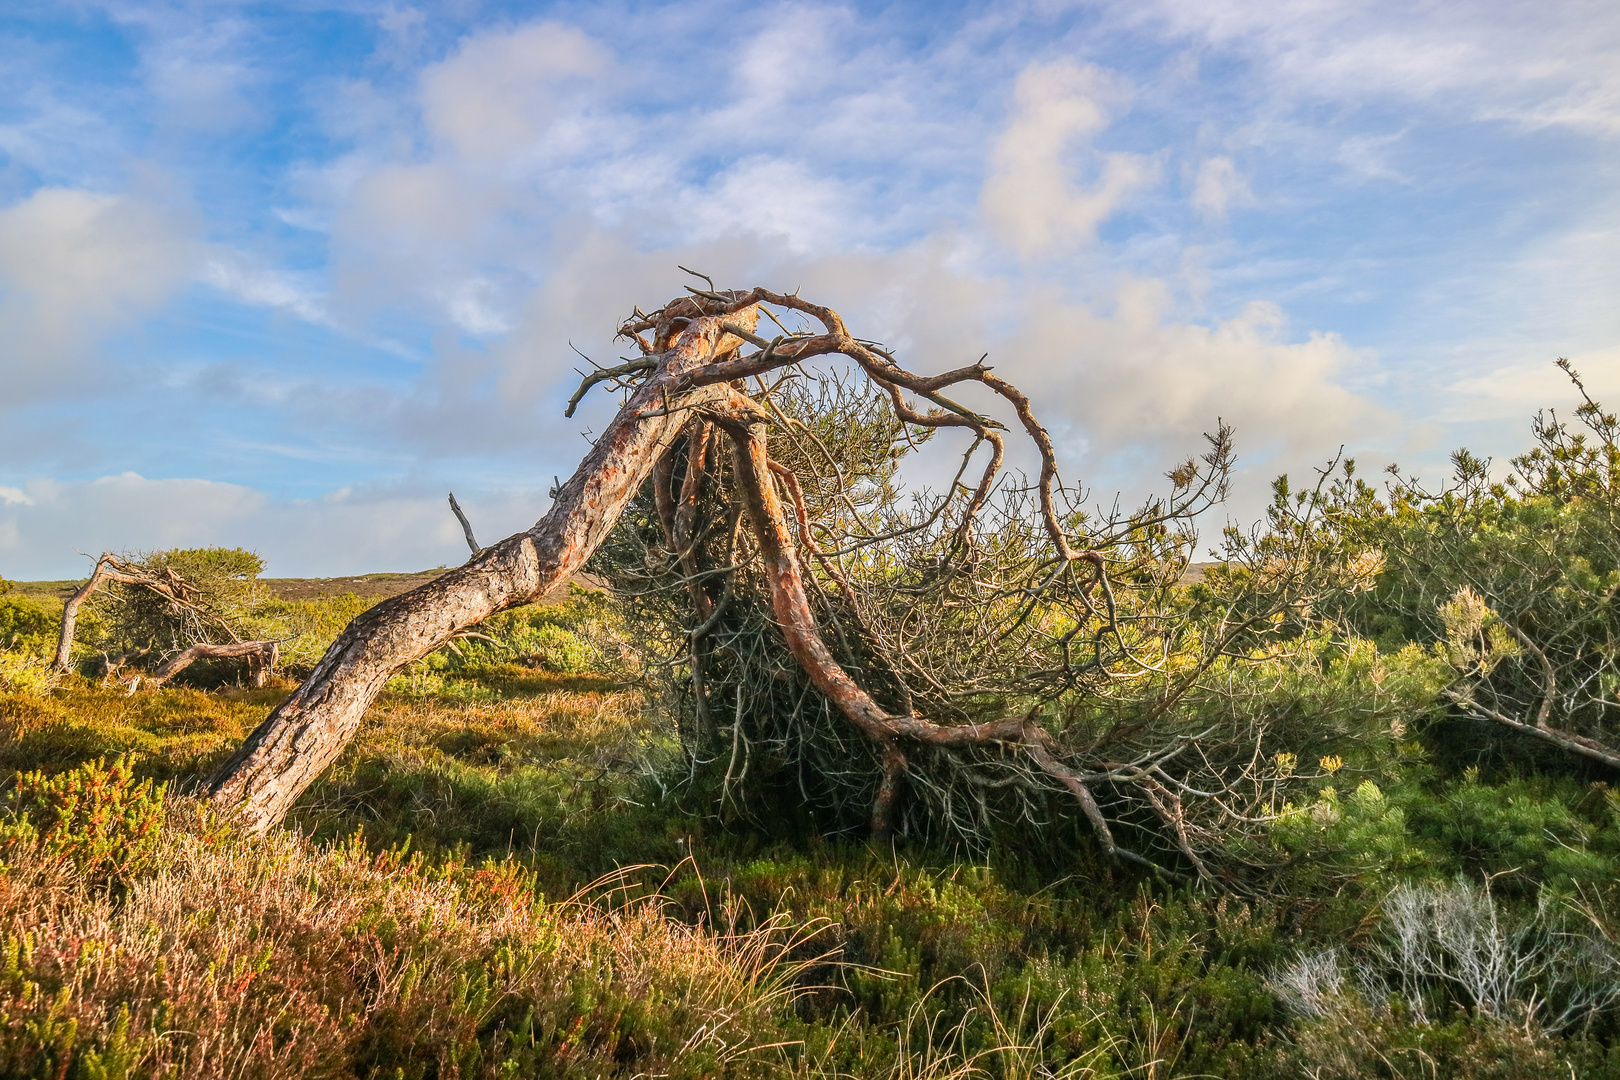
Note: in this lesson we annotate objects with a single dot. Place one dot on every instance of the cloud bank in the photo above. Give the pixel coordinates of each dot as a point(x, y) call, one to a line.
point(364, 277)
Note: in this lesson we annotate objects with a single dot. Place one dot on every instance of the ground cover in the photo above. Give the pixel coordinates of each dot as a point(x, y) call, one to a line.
point(523, 866)
point(423, 917)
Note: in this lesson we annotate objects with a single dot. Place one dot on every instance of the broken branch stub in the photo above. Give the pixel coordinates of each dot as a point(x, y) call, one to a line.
point(308, 731)
point(466, 526)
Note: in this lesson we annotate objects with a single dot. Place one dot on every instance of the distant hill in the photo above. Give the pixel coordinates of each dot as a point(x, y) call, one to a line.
point(365, 586)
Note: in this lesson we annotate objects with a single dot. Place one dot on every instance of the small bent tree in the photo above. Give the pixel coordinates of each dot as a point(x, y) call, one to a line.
point(936, 658)
point(170, 609)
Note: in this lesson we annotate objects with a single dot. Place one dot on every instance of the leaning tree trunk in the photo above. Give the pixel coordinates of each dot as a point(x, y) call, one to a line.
point(285, 754)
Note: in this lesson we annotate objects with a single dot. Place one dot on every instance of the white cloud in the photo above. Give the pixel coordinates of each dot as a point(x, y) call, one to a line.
point(1536, 65)
point(474, 306)
point(74, 267)
point(252, 283)
point(198, 87)
point(1138, 379)
point(1219, 187)
point(498, 96)
point(776, 199)
point(410, 232)
point(1515, 391)
point(1031, 196)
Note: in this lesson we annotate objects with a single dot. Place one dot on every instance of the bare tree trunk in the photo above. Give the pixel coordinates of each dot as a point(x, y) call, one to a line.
point(308, 731)
point(261, 657)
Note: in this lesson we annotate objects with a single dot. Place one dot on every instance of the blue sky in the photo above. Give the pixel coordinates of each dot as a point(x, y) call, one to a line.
point(280, 276)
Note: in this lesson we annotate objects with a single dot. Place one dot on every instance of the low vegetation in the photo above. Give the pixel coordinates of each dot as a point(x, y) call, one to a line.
point(524, 866)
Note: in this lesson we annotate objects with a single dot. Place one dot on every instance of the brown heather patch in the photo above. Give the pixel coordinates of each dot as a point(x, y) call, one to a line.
point(176, 731)
point(282, 958)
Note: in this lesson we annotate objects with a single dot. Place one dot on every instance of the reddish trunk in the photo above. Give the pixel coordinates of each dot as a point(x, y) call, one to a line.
point(745, 423)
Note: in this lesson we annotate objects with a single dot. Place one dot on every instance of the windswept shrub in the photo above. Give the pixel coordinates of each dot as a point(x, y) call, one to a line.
point(221, 594)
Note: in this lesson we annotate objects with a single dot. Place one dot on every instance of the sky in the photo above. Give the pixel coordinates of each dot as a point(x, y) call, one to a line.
point(280, 276)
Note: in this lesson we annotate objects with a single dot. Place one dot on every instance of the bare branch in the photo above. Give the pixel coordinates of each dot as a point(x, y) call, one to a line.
point(466, 526)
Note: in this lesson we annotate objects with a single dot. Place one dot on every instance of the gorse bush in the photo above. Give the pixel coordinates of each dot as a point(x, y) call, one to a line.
point(304, 627)
point(580, 635)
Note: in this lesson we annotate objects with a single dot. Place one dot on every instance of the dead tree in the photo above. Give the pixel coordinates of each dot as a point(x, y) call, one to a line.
point(1021, 557)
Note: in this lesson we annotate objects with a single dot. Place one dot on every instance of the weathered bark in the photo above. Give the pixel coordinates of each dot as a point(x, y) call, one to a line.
point(303, 736)
point(261, 657)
